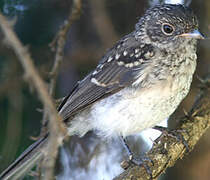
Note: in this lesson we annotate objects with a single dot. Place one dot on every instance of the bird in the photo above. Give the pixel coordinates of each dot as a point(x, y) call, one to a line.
point(138, 83)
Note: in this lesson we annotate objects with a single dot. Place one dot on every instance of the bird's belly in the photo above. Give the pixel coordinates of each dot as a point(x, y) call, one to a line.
point(120, 115)
point(131, 111)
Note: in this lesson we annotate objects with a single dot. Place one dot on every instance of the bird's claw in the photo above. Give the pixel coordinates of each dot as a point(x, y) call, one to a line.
point(142, 162)
point(176, 134)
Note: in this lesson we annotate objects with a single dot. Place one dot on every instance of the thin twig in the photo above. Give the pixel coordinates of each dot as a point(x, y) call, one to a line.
point(60, 40)
point(58, 44)
point(57, 130)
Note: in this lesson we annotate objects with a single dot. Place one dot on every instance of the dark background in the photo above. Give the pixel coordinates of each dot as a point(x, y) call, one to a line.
point(102, 23)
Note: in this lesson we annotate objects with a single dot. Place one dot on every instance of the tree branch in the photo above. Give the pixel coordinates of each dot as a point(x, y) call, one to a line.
point(165, 153)
point(57, 45)
point(56, 126)
point(60, 40)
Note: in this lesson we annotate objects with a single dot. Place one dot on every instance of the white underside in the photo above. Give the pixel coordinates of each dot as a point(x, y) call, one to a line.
point(134, 114)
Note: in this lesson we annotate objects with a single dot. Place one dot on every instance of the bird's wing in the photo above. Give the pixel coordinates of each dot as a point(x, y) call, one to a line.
point(117, 71)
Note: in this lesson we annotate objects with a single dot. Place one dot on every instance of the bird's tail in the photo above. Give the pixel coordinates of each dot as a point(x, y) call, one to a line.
point(25, 161)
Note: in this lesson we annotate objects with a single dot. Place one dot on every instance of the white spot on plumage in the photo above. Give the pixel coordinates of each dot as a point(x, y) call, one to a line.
point(151, 53)
point(100, 66)
point(137, 50)
point(148, 54)
point(95, 72)
point(125, 53)
point(129, 65)
point(96, 82)
point(132, 54)
point(141, 60)
point(120, 63)
point(137, 55)
point(136, 63)
point(110, 59)
point(117, 56)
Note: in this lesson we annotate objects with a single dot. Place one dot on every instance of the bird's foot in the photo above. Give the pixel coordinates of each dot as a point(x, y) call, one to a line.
point(172, 133)
point(142, 161)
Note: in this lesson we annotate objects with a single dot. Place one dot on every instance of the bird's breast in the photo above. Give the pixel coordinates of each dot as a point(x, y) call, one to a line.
point(131, 111)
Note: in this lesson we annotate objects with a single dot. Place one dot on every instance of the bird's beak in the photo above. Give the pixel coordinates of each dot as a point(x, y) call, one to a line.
point(195, 34)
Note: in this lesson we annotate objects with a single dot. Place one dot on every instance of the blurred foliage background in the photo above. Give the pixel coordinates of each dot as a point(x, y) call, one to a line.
point(102, 23)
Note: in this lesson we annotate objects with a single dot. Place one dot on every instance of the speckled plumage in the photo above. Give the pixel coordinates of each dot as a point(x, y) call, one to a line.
point(148, 71)
point(153, 97)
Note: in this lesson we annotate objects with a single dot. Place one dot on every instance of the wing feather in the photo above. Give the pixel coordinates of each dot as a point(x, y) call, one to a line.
point(108, 78)
point(87, 92)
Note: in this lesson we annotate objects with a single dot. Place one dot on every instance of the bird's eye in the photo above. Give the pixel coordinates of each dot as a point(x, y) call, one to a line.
point(167, 29)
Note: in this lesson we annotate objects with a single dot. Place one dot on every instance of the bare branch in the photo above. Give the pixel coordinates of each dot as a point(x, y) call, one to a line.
point(58, 44)
point(60, 40)
point(56, 126)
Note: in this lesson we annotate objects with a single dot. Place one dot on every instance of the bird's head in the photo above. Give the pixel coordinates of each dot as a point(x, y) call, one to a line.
point(169, 25)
